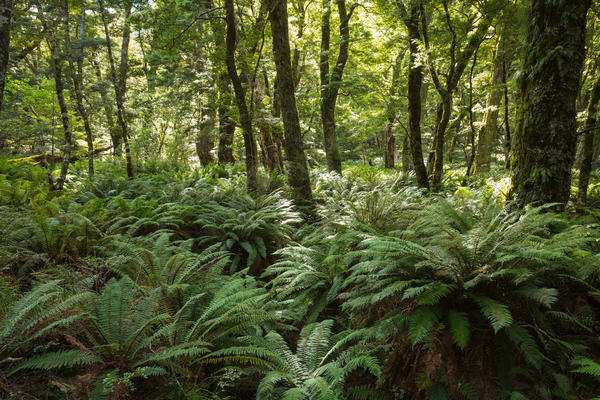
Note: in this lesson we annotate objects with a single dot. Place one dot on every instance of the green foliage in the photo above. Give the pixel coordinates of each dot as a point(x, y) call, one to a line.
point(458, 269)
point(36, 313)
point(318, 368)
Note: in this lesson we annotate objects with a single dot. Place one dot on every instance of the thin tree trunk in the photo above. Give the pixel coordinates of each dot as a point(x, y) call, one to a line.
point(240, 96)
point(118, 93)
point(275, 130)
point(489, 128)
point(5, 25)
point(57, 70)
point(108, 112)
point(270, 153)
point(458, 63)
point(226, 125)
point(471, 157)
point(545, 141)
point(415, 82)
point(506, 114)
point(589, 131)
point(392, 105)
point(297, 168)
point(330, 83)
point(77, 77)
point(204, 140)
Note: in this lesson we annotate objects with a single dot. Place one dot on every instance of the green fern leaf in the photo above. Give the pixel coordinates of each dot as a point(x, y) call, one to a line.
point(497, 313)
point(459, 327)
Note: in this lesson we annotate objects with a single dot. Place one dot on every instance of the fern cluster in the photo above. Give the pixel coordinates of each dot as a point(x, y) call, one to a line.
point(183, 283)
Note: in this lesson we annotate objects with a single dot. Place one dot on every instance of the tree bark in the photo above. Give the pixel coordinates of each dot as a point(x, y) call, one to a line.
point(589, 132)
point(330, 83)
point(240, 97)
point(506, 114)
point(57, 70)
point(108, 112)
point(392, 106)
point(545, 140)
point(458, 63)
point(415, 82)
point(204, 140)
point(5, 25)
point(489, 128)
point(297, 168)
point(226, 125)
point(77, 77)
point(118, 84)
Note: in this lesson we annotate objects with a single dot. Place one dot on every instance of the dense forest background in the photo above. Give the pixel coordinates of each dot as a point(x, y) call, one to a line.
point(271, 199)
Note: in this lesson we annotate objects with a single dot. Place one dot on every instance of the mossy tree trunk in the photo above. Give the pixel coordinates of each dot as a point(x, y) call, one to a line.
point(297, 168)
point(119, 82)
point(545, 142)
point(5, 25)
point(115, 138)
point(204, 139)
point(411, 19)
point(458, 63)
point(488, 131)
point(589, 132)
point(330, 82)
point(77, 78)
point(392, 109)
point(59, 87)
point(240, 97)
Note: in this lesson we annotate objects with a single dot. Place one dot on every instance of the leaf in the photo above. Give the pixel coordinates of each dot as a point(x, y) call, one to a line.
point(497, 313)
point(421, 323)
point(459, 326)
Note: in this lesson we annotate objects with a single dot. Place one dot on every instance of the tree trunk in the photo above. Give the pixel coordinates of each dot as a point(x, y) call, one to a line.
point(118, 86)
point(5, 25)
point(330, 84)
point(415, 82)
point(458, 63)
point(275, 129)
point(589, 131)
point(506, 114)
point(392, 106)
point(204, 140)
point(77, 77)
point(57, 70)
point(108, 112)
point(437, 163)
point(270, 152)
point(240, 97)
point(545, 141)
point(390, 145)
point(489, 129)
point(226, 125)
point(297, 168)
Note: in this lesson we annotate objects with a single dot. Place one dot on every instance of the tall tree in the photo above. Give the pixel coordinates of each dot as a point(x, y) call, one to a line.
point(119, 82)
point(5, 25)
point(545, 141)
point(77, 77)
point(446, 88)
point(297, 168)
point(589, 131)
point(489, 127)
point(411, 18)
point(115, 136)
point(391, 111)
point(59, 87)
point(240, 97)
point(330, 82)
